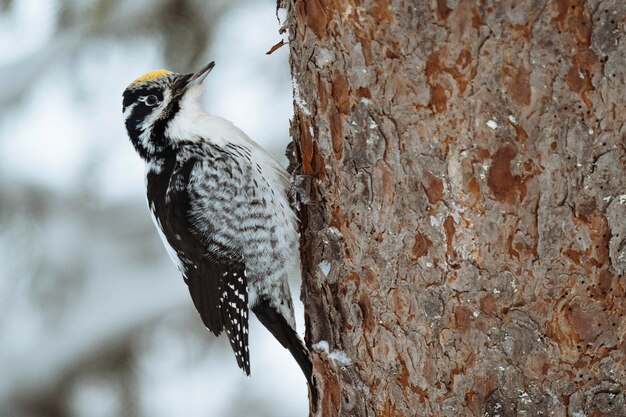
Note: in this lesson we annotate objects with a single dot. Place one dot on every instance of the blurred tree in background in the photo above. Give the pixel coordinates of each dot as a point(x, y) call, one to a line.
point(94, 320)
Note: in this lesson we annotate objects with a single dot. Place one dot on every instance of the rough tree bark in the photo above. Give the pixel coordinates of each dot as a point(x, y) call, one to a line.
point(468, 248)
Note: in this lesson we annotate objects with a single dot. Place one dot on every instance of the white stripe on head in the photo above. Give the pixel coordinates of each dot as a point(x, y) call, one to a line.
point(129, 110)
point(150, 120)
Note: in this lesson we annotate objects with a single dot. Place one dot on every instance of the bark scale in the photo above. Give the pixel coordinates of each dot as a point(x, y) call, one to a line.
point(468, 248)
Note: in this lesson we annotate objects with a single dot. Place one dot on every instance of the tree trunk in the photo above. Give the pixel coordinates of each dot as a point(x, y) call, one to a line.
point(467, 248)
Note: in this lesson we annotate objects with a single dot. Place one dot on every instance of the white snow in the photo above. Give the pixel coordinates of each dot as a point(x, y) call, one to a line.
point(324, 57)
point(324, 267)
point(300, 102)
point(334, 231)
point(322, 345)
point(338, 356)
point(436, 221)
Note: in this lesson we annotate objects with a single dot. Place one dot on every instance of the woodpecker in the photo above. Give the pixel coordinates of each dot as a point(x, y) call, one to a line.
point(221, 206)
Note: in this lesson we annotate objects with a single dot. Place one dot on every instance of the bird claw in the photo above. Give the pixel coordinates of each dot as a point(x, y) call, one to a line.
point(302, 188)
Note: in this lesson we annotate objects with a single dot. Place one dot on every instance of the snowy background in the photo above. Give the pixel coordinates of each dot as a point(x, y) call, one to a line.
point(94, 320)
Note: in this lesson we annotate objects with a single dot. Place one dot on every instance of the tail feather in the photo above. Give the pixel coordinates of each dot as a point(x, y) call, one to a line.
point(287, 336)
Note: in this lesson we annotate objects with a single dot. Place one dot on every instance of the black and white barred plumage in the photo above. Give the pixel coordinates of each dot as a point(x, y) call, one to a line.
point(220, 204)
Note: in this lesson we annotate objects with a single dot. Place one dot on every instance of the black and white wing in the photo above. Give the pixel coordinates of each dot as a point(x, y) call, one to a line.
point(216, 278)
point(218, 289)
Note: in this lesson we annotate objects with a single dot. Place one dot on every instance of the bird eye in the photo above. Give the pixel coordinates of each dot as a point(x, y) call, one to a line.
point(151, 100)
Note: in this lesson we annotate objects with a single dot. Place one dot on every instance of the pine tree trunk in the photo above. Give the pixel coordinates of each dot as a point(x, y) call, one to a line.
point(467, 250)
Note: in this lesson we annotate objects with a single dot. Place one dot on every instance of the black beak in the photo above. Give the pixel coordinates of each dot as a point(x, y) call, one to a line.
point(190, 80)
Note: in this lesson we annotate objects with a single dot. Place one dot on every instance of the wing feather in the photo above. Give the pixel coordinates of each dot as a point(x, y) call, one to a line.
point(216, 278)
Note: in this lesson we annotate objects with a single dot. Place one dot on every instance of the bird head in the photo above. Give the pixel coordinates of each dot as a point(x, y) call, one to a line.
point(155, 103)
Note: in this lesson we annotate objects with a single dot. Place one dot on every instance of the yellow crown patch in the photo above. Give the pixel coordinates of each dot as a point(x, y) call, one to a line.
point(149, 76)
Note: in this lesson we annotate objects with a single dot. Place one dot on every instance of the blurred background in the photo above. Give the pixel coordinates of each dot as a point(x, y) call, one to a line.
point(94, 318)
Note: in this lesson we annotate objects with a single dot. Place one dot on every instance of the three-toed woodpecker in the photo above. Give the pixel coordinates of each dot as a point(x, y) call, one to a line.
point(221, 206)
